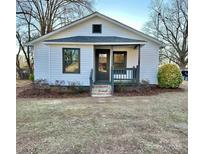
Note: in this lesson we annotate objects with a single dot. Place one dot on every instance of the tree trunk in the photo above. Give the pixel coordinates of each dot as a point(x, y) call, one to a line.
point(182, 65)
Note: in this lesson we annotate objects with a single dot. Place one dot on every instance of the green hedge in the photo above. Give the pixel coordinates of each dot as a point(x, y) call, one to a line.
point(169, 76)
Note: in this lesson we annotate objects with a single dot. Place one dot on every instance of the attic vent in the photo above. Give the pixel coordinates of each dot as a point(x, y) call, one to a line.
point(97, 28)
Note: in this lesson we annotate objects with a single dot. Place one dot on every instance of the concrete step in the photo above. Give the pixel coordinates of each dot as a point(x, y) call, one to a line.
point(101, 90)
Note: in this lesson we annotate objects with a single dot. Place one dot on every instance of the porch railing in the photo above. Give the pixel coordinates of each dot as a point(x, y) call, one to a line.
point(125, 75)
point(91, 80)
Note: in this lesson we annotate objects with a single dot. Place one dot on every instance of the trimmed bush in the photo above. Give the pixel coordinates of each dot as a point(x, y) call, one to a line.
point(169, 76)
point(31, 77)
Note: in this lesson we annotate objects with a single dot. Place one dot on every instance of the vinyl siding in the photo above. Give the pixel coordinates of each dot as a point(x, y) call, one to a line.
point(85, 29)
point(56, 65)
point(41, 61)
point(52, 69)
point(149, 61)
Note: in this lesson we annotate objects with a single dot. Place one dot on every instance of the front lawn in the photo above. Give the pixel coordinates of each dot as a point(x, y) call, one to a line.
point(140, 124)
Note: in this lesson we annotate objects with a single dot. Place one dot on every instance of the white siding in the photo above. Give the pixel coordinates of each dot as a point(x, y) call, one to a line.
point(85, 29)
point(149, 61)
point(41, 61)
point(149, 54)
point(56, 65)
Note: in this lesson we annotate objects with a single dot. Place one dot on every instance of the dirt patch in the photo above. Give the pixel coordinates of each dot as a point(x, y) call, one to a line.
point(22, 85)
point(32, 92)
point(26, 89)
point(154, 90)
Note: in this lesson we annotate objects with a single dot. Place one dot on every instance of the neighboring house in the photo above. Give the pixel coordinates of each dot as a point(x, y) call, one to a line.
point(96, 49)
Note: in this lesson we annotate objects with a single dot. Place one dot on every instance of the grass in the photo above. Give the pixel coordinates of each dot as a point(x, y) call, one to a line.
point(143, 124)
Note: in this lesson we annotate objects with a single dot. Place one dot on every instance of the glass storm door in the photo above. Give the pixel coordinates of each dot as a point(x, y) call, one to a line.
point(102, 64)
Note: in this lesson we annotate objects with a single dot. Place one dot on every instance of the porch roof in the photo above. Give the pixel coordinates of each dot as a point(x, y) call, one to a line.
point(95, 40)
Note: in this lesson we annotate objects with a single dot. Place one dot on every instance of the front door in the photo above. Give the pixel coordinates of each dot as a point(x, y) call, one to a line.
point(102, 70)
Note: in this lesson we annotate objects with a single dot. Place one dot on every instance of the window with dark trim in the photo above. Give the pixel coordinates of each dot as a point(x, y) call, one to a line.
point(71, 60)
point(120, 60)
point(97, 28)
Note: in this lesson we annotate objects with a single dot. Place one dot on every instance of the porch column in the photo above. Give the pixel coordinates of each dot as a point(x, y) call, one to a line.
point(93, 60)
point(111, 61)
point(139, 63)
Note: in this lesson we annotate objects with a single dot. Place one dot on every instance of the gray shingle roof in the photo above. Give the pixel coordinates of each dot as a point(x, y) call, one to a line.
point(94, 39)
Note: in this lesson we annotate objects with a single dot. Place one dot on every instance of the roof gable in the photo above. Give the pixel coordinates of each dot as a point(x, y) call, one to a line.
point(96, 14)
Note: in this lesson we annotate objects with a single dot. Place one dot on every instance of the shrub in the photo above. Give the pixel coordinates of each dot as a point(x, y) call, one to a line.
point(71, 87)
point(120, 87)
point(76, 87)
point(59, 83)
point(31, 77)
point(41, 84)
point(144, 85)
point(169, 76)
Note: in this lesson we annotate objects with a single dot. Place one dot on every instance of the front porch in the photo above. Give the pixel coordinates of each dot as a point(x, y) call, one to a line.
point(115, 64)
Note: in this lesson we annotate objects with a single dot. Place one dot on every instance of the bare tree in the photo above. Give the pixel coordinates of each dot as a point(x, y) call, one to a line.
point(23, 37)
point(169, 23)
point(48, 15)
point(36, 18)
point(18, 67)
point(26, 51)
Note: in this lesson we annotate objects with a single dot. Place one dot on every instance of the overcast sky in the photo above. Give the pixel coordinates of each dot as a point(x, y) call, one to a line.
point(131, 12)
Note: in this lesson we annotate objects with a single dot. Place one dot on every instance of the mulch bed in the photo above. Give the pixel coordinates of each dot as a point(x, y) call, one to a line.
point(154, 90)
point(41, 93)
point(32, 92)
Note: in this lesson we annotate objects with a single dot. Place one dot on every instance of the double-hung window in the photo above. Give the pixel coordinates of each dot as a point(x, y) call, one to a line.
point(71, 60)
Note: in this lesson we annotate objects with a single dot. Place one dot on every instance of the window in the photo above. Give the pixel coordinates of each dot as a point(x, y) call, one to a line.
point(102, 67)
point(71, 60)
point(97, 28)
point(119, 60)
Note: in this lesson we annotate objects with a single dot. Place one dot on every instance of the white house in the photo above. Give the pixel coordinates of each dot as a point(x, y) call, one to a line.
point(96, 49)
